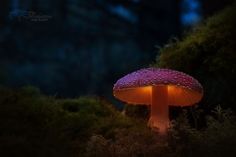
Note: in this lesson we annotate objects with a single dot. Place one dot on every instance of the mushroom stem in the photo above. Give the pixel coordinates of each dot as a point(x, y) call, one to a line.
point(159, 118)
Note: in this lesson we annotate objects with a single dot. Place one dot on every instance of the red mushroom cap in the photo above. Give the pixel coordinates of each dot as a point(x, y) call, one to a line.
point(183, 90)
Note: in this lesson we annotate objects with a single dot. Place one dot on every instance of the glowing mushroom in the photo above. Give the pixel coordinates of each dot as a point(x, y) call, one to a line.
point(158, 88)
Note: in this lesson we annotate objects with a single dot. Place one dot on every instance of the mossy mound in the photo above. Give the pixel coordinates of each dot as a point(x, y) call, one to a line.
point(208, 54)
point(32, 124)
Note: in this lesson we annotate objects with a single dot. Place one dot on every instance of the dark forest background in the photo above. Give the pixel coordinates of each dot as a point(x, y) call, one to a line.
point(81, 47)
point(60, 59)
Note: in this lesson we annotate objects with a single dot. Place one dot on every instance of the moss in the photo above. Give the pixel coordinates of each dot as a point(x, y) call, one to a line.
point(34, 124)
point(207, 53)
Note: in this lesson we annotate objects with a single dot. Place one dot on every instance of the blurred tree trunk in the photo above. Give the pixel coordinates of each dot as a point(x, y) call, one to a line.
point(212, 6)
point(4, 12)
point(63, 9)
point(154, 17)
